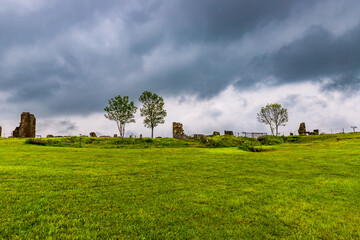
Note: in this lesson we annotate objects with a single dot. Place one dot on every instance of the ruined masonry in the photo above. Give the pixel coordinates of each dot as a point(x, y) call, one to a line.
point(178, 131)
point(27, 126)
point(93, 134)
point(302, 128)
point(227, 132)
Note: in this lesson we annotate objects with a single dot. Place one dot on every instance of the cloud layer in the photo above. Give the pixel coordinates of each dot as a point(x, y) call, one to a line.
point(66, 58)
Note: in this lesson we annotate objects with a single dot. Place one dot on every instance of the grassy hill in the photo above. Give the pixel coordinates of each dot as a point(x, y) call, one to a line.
point(305, 188)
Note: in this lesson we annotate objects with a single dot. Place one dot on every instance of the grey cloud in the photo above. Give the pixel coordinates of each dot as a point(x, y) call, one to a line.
point(71, 56)
point(319, 54)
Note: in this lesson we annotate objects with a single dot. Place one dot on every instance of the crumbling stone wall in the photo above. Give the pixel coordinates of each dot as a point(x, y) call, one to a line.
point(178, 131)
point(27, 126)
point(227, 132)
point(302, 128)
point(215, 133)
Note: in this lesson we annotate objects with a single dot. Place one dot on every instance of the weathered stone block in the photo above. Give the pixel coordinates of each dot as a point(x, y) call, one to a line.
point(215, 133)
point(27, 126)
point(93, 134)
point(227, 132)
point(302, 128)
point(316, 131)
point(178, 131)
point(199, 136)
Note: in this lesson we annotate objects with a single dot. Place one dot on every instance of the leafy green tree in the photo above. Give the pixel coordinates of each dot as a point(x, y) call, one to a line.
point(153, 110)
point(121, 111)
point(273, 115)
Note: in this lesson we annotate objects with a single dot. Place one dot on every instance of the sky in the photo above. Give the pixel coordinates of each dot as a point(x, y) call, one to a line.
point(215, 63)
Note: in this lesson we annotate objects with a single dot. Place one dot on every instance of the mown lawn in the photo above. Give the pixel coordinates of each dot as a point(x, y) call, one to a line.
point(297, 191)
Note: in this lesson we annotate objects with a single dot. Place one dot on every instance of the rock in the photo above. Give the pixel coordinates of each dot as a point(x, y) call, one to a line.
point(49, 136)
point(178, 131)
point(227, 132)
point(115, 135)
point(316, 131)
point(253, 149)
point(302, 128)
point(199, 136)
point(93, 134)
point(215, 133)
point(291, 134)
point(27, 126)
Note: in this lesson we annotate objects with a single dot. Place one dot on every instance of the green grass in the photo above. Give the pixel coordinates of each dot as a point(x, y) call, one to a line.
point(305, 190)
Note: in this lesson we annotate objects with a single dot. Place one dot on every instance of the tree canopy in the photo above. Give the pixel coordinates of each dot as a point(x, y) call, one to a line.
point(121, 111)
point(153, 110)
point(273, 115)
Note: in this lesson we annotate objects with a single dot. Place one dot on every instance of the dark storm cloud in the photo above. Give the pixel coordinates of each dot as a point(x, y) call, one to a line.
point(317, 55)
point(67, 57)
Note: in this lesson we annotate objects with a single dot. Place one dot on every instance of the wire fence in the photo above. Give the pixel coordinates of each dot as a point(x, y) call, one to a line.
point(295, 132)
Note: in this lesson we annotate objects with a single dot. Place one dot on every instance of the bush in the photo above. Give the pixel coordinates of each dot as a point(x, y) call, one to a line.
point(35, 142)
point(270, 140)
point(231, 141)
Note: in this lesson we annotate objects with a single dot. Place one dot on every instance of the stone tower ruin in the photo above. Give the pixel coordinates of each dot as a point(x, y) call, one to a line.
point(27, 126)
point(302, 128)
point(178, 131)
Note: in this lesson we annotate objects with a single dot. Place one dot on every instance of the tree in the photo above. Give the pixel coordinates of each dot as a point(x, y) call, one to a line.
point(121, 111)
point(274, 116)
point(153, 110)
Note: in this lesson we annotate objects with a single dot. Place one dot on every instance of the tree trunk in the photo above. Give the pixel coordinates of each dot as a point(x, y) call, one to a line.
point(277, 130)
point(272, 130)
point(152, 132)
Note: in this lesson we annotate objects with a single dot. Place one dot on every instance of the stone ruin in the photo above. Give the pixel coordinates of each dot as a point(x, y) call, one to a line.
point(199, 136)
point(227, 132)
point(302, 128)
point(215, 133)
point(93, 134)
point(178, 131)
point(27, 126)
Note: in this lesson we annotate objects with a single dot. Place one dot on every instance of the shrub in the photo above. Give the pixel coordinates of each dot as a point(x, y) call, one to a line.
point(270, 140)
point(35, 141)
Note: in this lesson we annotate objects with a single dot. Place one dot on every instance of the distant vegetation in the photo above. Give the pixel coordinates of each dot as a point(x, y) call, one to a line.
point(224, 141)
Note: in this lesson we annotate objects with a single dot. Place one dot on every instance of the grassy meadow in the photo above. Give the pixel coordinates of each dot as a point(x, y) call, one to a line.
point(306, 188)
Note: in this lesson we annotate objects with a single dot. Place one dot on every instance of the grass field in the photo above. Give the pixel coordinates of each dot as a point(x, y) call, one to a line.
point(307, 190)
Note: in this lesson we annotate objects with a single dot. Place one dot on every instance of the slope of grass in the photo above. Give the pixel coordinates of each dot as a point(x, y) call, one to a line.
point(297, 191)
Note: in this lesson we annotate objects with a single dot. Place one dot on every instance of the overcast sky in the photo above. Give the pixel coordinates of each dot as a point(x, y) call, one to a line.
point(214, 62)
